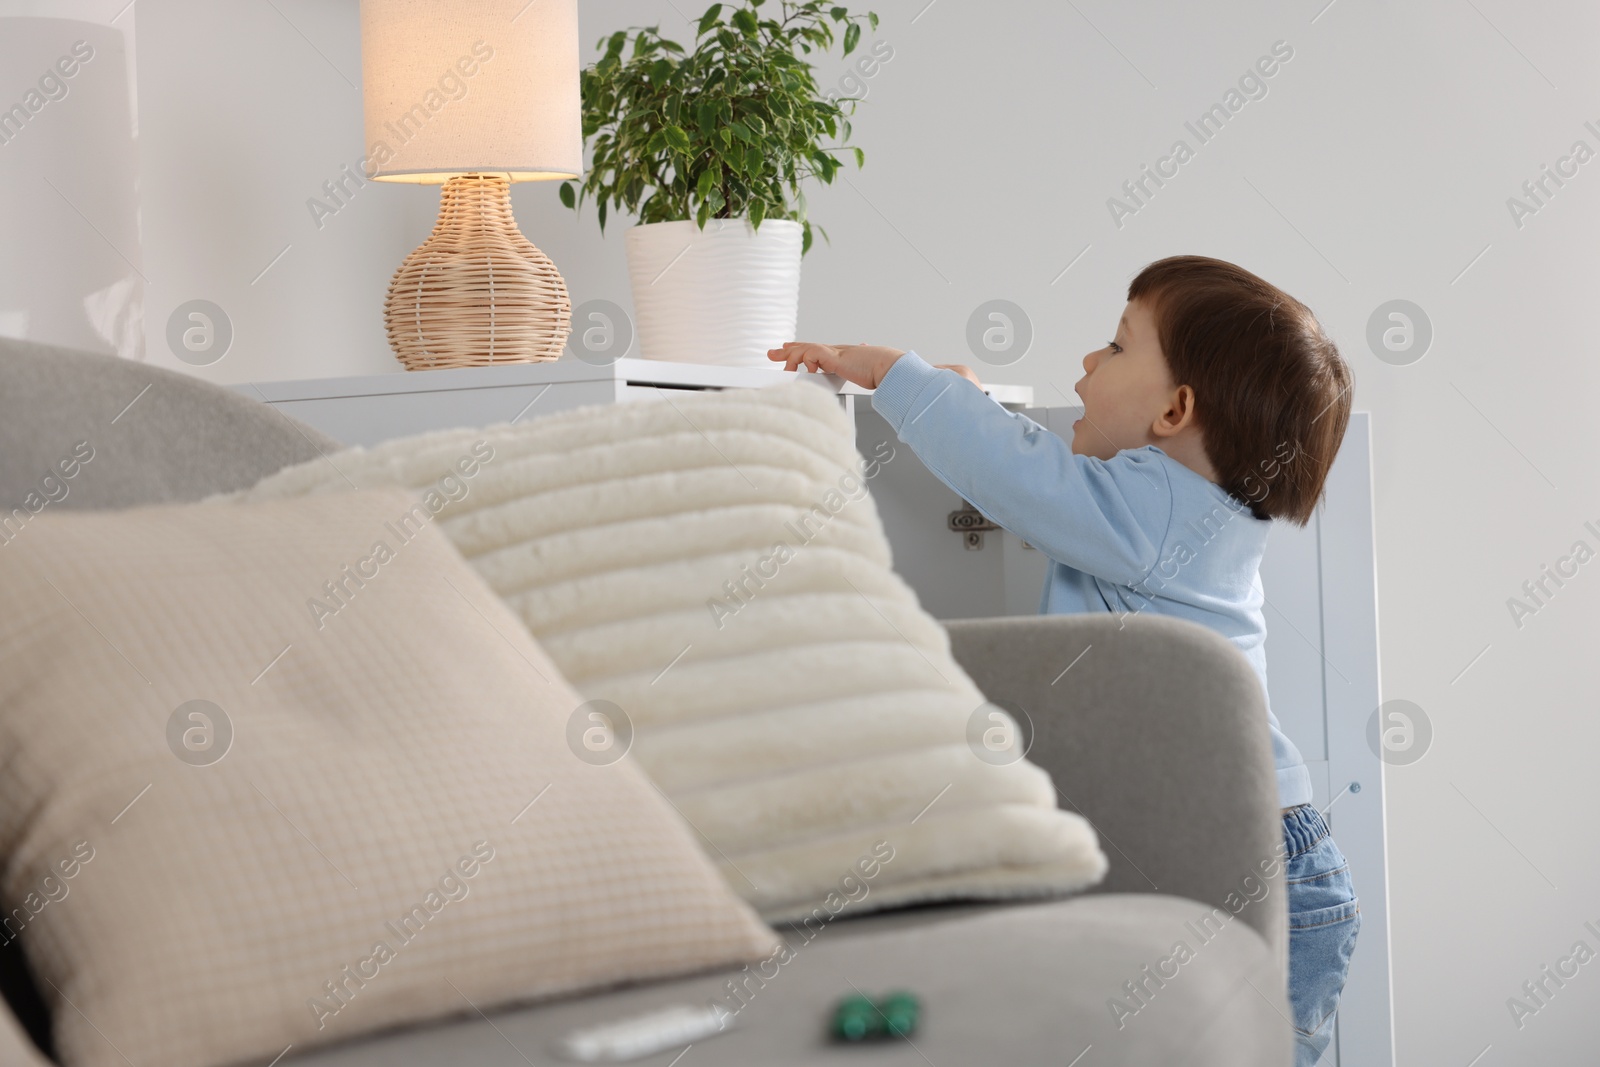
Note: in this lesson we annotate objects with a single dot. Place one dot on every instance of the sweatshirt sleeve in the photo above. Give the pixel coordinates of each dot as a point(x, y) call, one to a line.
point(1108, 518)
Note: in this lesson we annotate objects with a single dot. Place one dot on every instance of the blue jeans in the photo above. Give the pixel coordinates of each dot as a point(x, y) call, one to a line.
point(1324, 917)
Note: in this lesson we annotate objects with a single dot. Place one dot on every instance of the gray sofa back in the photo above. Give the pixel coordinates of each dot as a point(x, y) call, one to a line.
point(1158, 737)
point(152, 435)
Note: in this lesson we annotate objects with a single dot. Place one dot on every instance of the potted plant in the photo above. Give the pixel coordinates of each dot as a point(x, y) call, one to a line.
point(710, 150)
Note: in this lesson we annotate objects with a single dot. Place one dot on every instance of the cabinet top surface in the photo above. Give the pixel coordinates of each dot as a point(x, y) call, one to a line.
point(567, 369)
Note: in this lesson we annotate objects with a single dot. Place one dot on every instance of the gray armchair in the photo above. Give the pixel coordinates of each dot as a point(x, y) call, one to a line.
point(1157, 736)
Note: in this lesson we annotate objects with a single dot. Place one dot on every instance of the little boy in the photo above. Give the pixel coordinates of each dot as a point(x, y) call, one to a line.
point(1218, 406)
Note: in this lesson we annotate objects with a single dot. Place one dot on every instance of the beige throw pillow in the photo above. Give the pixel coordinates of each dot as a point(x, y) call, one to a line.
point(714, 567)
point(232, 824)
point(16, 1048)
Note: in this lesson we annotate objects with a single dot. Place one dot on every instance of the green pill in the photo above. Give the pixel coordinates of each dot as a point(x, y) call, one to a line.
point(900, 1013)
point(856, 1018)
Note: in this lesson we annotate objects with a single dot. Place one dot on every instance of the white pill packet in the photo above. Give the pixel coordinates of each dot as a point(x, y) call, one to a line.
point(641, 1035)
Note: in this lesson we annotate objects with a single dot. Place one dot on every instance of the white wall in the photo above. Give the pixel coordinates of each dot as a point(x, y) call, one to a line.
point(247, 108)
point(1377, 167)
point(69, 197)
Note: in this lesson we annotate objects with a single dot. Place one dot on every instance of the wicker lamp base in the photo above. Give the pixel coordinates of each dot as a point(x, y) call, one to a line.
point(477, 292)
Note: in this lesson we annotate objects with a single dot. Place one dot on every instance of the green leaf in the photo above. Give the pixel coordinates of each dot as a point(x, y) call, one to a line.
point(732, 125)
point(602, 215)
point(709, 19)
point(861, 157)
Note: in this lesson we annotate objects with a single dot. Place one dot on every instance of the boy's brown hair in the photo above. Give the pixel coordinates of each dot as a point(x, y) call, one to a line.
point(1272, 393)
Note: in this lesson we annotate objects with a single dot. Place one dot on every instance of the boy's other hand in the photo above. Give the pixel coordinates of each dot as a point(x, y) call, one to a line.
point(865, 365)
point(963, 370)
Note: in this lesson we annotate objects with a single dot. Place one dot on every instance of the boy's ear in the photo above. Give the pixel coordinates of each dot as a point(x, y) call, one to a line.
point(1180, 412)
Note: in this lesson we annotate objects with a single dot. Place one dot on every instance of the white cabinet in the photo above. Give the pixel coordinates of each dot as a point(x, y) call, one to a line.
point(366, 410)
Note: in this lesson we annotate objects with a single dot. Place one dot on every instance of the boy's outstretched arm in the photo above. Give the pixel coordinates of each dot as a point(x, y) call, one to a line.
point(1108, 518)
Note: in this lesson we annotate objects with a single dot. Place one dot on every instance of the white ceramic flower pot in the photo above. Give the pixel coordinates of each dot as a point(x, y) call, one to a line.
point(721, 295)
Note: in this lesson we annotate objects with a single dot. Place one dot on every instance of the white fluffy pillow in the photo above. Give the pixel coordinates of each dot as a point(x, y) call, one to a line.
point(229, 825)
point(713, 564)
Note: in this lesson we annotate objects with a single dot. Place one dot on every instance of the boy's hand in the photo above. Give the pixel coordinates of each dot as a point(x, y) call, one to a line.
point(963, 370)
point(865, 365)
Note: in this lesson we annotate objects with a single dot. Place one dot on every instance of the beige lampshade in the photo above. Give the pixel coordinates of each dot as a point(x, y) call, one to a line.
point(456, 87)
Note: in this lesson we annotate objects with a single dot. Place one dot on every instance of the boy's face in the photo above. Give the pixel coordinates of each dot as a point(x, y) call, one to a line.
point(1125, 388)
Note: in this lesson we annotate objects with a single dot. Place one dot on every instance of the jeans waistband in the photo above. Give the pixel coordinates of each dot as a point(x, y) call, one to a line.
point(1303, 827)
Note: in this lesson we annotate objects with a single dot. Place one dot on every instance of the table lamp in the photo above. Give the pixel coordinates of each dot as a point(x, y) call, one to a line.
point(473, 95)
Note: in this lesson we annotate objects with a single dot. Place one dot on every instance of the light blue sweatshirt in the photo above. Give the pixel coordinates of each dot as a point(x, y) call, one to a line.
point(1137, 532)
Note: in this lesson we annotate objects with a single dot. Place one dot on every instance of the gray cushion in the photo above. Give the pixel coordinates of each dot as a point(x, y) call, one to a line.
point(156, 435)
point(1017, 984)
